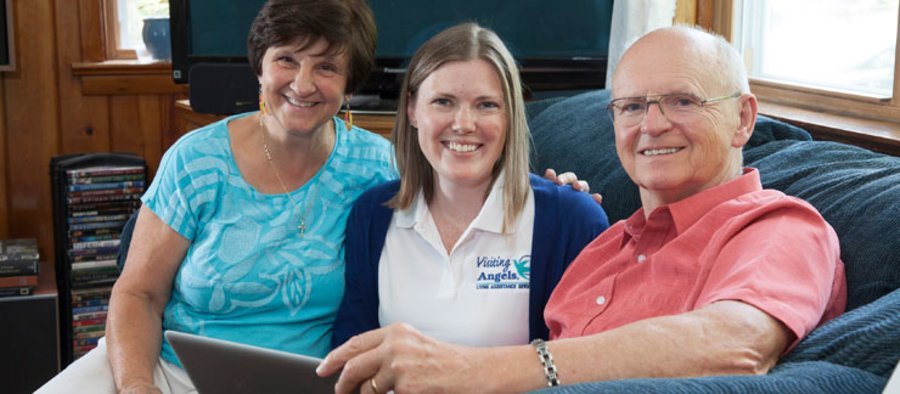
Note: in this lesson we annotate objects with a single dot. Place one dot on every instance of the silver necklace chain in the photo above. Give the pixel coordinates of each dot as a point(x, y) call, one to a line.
point(309, 196)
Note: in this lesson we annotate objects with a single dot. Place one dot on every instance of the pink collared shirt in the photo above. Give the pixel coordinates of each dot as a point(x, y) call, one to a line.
point(734, 241)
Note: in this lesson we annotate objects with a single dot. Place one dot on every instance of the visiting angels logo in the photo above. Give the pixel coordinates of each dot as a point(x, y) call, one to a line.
point(495, 272)
point(523, 266)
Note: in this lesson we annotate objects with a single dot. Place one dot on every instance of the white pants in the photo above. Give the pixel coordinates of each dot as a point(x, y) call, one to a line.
point(92, 374)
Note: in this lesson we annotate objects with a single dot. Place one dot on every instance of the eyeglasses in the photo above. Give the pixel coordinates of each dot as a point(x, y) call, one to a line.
point(677, 108)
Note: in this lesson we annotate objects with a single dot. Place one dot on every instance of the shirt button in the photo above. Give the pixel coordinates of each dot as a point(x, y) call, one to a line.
point(641, 258)
point(601, 300)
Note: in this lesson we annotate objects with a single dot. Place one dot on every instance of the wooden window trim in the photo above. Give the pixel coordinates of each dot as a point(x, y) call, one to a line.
point(111, 33)
point(877, 135)
point(871, 122)
point(101, 75)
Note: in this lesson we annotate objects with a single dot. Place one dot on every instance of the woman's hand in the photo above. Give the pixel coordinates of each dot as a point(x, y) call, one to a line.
point(400, 358)
point(569, 178)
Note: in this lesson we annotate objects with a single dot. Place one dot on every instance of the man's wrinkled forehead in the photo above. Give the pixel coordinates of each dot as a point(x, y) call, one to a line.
point(663, 52)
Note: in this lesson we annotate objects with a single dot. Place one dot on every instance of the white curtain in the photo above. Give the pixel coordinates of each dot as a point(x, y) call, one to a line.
point(632, 19)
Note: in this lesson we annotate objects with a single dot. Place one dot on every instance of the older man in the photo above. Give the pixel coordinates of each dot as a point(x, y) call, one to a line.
point(713, 275)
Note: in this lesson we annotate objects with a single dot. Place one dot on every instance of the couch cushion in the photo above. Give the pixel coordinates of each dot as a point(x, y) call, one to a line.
point(575, 134)
point(867, 338)
point(858, 193)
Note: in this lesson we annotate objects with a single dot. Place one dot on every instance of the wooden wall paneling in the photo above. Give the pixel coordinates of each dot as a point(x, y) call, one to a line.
point(143, 125)
point(170, 131)
point(32, 105)
point(124, 124)
point(138, 125)
point(91, 24)
point(152, 124)
point(84, 120)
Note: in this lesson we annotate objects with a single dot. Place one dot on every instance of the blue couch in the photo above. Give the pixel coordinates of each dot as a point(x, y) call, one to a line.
point(856, 190)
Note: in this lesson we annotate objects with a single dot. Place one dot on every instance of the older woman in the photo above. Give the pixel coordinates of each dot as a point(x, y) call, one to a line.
point(466, 246)
point(240, 236)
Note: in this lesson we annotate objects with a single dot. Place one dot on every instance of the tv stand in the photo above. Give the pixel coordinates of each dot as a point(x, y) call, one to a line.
point(379, 121)
point(372, 103)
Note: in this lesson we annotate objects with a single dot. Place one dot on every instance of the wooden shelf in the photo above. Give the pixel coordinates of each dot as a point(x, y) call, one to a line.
point(880, 136)
point(126, 77)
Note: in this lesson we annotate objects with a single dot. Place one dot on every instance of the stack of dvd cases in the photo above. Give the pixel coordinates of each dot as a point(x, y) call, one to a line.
point(94, 195)
point(19, 266)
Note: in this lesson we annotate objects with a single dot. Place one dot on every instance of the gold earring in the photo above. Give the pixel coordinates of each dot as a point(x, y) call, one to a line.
point(262, 105)
point(348, 117)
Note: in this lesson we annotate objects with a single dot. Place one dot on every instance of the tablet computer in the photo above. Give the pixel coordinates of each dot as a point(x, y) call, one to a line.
point(217, 366)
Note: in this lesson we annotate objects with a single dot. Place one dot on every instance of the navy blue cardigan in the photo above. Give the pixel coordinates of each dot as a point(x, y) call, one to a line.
point(565, 221)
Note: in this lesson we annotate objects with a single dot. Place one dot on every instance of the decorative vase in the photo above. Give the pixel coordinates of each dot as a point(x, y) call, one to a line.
point(156, 38)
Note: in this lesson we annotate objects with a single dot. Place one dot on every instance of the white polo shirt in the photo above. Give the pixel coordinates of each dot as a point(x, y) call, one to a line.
point(478, 294)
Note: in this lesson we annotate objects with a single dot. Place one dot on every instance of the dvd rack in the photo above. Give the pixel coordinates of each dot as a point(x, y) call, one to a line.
point(94, 194)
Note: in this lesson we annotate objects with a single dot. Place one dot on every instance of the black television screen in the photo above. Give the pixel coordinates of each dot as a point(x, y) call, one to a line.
point(560, 45)
point(209, 31)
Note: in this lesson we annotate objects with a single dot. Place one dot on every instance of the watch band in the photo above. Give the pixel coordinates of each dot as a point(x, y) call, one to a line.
point(546, 359)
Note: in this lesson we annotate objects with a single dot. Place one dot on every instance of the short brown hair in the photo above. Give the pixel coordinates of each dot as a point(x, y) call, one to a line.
point(347, 25)
point(464, 42)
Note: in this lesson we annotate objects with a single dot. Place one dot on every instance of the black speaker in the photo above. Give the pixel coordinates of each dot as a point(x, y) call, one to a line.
point(223, 88)
point(28, 342)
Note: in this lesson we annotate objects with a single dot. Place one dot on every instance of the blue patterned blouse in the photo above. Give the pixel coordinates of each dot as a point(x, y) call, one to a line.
point(248, 276)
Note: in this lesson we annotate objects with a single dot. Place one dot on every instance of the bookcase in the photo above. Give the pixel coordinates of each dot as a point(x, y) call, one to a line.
point(93, 196)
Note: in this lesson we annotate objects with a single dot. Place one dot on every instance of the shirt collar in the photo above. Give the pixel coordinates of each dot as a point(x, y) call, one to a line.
point(490, 218)
point(686, 212)
point(414, 213)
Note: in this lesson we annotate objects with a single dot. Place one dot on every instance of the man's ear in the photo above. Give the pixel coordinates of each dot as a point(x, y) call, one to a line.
point(748, 112)
point(411, 111)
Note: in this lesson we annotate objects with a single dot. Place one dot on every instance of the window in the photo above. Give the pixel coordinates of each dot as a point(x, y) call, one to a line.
point(125, 24)
point(830, 44)
point(833, 56)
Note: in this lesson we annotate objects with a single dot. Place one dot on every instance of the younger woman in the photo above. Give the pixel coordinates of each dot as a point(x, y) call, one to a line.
point(467, 246)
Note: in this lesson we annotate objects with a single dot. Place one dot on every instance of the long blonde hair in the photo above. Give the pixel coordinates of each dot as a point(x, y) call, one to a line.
point(464, 42)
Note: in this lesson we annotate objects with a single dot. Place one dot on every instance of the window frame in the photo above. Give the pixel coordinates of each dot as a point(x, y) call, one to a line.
point(110, 20)
point(727, 18)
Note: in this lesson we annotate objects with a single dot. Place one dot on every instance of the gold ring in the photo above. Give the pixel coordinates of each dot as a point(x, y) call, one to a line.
point(374, 386)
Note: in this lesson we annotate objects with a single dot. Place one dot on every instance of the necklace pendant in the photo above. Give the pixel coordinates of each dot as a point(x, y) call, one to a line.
point(301, 228)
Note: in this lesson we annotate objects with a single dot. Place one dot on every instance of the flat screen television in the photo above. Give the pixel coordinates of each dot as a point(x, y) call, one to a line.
point(559, 45)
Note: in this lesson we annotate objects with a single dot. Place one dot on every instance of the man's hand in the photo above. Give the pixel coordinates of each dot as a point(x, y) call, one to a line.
point(400, 358)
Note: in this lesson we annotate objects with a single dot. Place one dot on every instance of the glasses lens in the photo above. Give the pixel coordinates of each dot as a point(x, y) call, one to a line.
point(628, 111)
point(680, 107)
